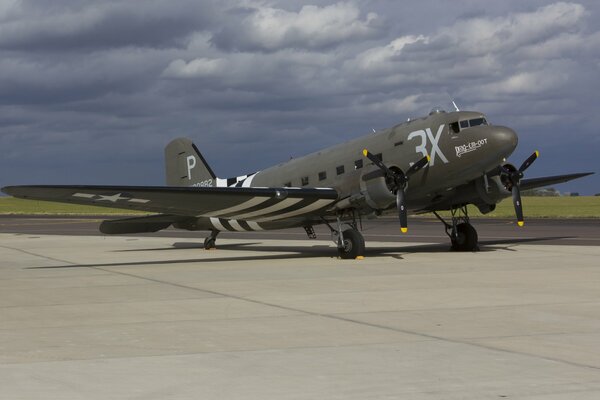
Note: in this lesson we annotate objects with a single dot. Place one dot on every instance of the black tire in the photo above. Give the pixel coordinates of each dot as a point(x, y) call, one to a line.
point(209, 243)
point(353, 246)
point(466, 238)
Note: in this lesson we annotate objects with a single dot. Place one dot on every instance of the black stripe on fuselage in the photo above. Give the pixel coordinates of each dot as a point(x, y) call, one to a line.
point(226, 224)
point(245, 225)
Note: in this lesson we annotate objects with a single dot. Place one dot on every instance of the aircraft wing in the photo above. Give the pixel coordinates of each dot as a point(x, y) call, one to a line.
point(533, 183)
point(250, 204)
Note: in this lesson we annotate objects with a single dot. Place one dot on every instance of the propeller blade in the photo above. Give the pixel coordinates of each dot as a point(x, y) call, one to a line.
point(516, 196)
point(417, 166)
point(377, 162)
point(527, 163)
point(401, 205)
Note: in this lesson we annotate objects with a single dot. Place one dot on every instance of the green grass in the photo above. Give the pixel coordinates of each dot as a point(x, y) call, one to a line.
point(546, 207)
point(10, 205)
point(536, 207)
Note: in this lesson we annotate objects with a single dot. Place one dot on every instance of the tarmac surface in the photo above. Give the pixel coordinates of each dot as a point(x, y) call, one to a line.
point(579, 232)
point(101, 317)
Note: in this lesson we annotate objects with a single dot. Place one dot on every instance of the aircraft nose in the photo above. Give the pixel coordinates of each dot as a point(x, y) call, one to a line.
point(506, 139)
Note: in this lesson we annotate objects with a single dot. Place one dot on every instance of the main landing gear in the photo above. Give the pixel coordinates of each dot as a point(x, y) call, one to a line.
point(349, 241)
point(462, 234)
point(210, 241)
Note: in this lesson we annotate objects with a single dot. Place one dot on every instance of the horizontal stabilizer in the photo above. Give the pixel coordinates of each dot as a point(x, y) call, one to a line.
point(533, 183)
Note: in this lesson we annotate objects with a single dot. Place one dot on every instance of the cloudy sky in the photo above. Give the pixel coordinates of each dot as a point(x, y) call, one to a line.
point(92, 91)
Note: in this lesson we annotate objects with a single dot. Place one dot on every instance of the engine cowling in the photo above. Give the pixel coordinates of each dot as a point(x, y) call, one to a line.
point(377, 190)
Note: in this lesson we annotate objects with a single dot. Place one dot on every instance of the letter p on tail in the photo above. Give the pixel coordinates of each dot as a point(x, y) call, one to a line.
point(185, 166)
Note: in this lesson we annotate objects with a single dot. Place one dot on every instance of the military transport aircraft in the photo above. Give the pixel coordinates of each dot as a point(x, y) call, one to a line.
point(443, 161)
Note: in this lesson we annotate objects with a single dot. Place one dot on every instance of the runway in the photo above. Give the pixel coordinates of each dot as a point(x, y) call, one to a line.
point(153, 317)
point(580, 232)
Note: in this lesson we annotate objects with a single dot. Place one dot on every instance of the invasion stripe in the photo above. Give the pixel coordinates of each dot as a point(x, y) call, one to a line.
point(248, 181)
point(226, 224)
point(216, 223)
point(279, 206)
point(299, 205)
point(267, 203)
point(254, 226)
point(236, 226)
point(240, 207)
point(315, 206)
point(245, 225)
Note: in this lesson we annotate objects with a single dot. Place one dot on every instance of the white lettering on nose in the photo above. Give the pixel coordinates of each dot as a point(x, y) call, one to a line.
point(191, 163)
point(434, 145)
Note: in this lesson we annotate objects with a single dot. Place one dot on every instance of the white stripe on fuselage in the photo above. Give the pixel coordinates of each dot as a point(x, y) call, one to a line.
point(254, 226)
point(217, 224)
point(236, 225)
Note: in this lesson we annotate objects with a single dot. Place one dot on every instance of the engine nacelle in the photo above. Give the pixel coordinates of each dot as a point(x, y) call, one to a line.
point(377, 191)
point(483, 192)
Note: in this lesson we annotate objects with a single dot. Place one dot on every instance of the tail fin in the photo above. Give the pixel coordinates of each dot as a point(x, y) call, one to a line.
point(185, 166)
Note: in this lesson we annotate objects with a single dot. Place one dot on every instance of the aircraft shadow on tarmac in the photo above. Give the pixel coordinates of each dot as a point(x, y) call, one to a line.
point(295, 252)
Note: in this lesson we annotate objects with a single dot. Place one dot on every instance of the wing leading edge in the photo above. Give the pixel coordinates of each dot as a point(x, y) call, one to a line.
point(251, 204)
point(533, 183)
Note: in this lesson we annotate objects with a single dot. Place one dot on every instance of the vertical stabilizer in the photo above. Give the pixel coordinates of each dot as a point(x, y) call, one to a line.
point(185, 166)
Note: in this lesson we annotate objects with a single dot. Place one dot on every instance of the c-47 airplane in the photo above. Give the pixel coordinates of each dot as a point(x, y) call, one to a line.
point(440, 162)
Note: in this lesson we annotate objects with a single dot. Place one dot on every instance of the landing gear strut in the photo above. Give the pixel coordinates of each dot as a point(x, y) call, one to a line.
point(209, 242)
point(350, 242)
point(462, 234)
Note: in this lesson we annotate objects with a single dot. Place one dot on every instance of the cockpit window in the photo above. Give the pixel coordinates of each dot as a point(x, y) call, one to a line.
point(454, 127)
point(472, 122)
point(477, 122)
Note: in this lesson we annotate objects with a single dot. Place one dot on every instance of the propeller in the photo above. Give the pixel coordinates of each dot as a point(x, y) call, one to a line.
point(400, 180)
point(514, 177)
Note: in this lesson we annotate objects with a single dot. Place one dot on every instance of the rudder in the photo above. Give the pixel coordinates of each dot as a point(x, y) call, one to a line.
point(185, 166)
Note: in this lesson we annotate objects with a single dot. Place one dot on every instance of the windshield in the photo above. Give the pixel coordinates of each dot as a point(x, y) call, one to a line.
point(468, 123)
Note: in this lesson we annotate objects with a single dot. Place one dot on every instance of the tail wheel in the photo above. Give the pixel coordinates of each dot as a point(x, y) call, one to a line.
point(353, 245)
point(466, 238)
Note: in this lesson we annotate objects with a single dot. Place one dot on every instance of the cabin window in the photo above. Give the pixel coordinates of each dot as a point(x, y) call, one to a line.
point(358, 164)
point(304, 180)
point(322, 175)
point(454, 127)
point(339, 169)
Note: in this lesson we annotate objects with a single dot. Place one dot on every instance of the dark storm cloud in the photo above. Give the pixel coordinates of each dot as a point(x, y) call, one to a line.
point(74, 25)
point(103, 86)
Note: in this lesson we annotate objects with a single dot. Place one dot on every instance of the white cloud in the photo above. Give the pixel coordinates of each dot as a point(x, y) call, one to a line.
point(527, 83)
point(376, 59)
point(488, 35)
point(312, 27)
point(197, 68)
